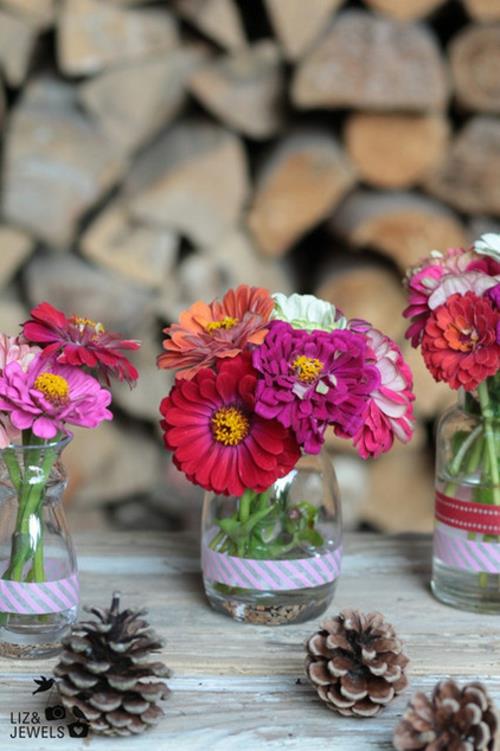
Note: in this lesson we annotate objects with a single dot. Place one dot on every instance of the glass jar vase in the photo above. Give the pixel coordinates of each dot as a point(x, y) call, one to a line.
point(466, 555)
point(39, 588)
point(274, 557)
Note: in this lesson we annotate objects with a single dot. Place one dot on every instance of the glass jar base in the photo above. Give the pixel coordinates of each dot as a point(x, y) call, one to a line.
point(477, 592)
point(36, 636)
point(268, 608)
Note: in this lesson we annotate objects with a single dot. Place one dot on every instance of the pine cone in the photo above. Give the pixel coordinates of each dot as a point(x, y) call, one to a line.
point(356, 663)
point(454, 719)
point(105, 675)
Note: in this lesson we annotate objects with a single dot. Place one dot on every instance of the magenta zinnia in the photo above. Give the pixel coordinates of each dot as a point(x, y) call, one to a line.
point(314, 379)
point(216, 438)
point(47, 396)
point(80, 342)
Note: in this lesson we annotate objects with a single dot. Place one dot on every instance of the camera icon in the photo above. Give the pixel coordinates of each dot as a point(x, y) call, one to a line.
point(56, 712)
point(78, 729)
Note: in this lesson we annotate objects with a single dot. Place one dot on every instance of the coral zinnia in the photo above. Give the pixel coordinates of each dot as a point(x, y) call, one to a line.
point(80, 341)
point(47, 396)
point(311, 380)
point(206, 333)
point(390, 410)
point(216, 438)
point(459, 343)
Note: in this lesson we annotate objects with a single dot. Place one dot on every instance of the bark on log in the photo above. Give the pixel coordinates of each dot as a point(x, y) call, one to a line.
point(16, 247)
point(193, 181)
point(371, 62)
point(395, 151)
point(404, 226)
point(468, 178)
point(17, 40)
point(405, 10)
point(366, 291)
point(40, 13)
point(93, 35)
point(244, 90)
point(301, 182)
point(483, 10)
point(218, 19)
point(297, 24)
point(475, 58)
point(131, 112)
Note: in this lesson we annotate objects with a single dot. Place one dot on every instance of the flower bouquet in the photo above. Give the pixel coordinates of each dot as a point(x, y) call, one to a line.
point(54, 375)
point(454, 308)
point(259, 379)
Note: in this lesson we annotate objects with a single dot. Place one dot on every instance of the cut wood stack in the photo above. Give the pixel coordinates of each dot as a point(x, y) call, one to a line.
point(154, 153)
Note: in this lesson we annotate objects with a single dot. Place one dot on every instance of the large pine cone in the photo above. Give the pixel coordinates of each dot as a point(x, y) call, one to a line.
point(356, 663)
point(105, 675)
point(454, 719)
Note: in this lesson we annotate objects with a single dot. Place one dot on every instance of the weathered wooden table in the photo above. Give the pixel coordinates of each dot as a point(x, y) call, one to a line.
point(238, 687)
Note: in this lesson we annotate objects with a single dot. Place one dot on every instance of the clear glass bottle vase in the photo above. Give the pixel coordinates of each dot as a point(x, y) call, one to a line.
point(39, 588)
point(466, 554)
point(274, 557)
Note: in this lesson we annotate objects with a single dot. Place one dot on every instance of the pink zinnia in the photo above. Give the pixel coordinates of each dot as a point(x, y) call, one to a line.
point(80, 342)
point(13, 349)
point(47, 396)
point(313, 379)
point(390, 410)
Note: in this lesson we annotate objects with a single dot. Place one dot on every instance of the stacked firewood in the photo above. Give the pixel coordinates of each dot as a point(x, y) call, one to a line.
point(156, 152)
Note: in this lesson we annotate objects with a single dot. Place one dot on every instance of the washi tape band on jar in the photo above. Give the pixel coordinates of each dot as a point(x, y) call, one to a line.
point(40, 598)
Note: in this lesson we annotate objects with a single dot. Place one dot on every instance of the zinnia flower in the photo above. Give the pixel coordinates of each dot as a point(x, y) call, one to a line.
point(216, 437)
point(459, 344)
point(307, 312)
point(13, 349)
point(390, 411)
point(311, 380)
point(222, 329)
point(489, 245)
point(80, 342)
point(47, 396)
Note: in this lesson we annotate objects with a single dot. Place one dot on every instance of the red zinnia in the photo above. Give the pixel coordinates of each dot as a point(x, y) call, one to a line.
point(459, 343)
point(80, 342)
point(216, 438)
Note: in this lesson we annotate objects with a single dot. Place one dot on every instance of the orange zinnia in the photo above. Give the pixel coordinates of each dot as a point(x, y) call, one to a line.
point(224, 328)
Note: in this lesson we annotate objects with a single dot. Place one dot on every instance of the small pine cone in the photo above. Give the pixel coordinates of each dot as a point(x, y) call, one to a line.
point(356, 663)
point(105, 675)
point(454, 719)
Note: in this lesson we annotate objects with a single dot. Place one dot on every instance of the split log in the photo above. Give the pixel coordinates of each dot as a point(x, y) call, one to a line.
point(57, 163)
point(244, 90)
point(405, 10)
point(11, 311)
point(193, 181)
point(93, 35)
point(302, 180)
point(405, 226)
point(218, 19)
point(16, 247)
point(371, 62)
point(468, 178)
point(297, 24)
point(431, 398)
point(142, 253)
point(483, 10)
point(474, 56)
point(131, 112)
point(40, 13)
point(395, 151)
point(365, 291)
point(17, 40)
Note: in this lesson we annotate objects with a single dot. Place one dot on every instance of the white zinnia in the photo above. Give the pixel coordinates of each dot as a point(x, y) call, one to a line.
point(306, 312)
point(488, 245)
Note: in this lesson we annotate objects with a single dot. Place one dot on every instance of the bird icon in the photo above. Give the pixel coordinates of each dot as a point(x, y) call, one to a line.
point(44, 684)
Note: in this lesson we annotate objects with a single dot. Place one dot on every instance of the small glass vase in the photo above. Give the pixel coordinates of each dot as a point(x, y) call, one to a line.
point(274, 558)
point(39, 588)
point(466, 555)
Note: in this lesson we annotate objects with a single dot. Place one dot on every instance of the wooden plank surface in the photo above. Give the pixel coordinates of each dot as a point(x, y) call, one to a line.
point(236, 686)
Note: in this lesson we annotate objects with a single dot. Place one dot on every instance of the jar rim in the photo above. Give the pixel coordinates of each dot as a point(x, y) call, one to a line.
point(59, 444)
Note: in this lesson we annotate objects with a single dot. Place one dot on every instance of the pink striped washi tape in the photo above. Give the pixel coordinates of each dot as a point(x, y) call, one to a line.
point(38, 598)
point(289, 574)
point(454, 548)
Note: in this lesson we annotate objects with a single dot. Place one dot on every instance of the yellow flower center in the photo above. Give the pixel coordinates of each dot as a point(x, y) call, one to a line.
point(54, 387)
point(84, 323)
point(307, 369)
point(226, 323)
point(230, 426)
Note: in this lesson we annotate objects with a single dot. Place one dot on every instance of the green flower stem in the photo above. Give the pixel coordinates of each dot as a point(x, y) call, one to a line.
point(487, 412)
